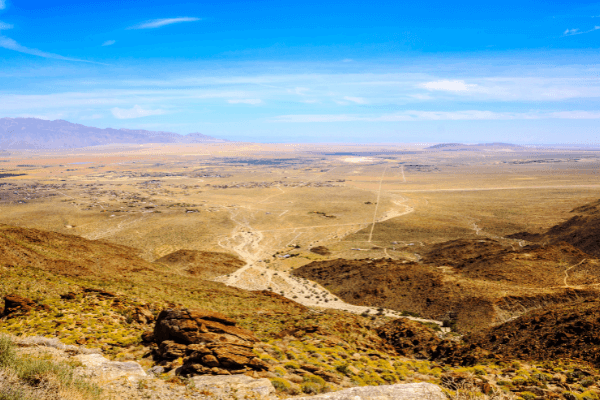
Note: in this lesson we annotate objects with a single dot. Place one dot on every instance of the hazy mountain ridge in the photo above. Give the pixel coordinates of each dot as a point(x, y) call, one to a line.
point(475, 147)
point(33, 133)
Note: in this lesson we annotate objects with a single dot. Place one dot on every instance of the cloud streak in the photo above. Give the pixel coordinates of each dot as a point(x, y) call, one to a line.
point(448, 85)
point(109, 43)
point(4, 25)
point(2, 4)
point(10, 44)
point(157, 23)
point(135, 112)
point(576, 31)
point(414, 115)
point(245, 101)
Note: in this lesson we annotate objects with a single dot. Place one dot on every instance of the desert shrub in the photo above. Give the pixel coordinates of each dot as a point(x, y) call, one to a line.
point(389, 378)
point(292, 365)
point(280, 384)
point(40, 372)
point(315, 379)
point(587, 382)
point(528, 396)
point(343, 369)
point(311, 388)
point(13, 393)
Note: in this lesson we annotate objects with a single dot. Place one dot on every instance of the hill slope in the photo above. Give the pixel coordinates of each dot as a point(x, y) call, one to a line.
point(33, 133)
point(581, 231)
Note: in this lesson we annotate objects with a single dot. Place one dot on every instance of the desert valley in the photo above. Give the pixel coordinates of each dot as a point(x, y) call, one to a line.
point(146, 270)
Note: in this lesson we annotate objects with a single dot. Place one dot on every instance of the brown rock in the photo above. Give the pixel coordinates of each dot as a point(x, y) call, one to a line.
point(68, 296)
point(210, 361)
point(229, 358)
point(211, 341)
point(170, 350)
point(148, 336)
point(143, 315)
point(258, 364)
point(309, 367)
point(211, 316)
point(185, 326)
point(17, 304)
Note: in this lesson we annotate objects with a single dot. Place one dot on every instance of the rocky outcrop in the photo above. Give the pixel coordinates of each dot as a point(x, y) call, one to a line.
point(16, 304)
point(408, 391)
point(206, 341)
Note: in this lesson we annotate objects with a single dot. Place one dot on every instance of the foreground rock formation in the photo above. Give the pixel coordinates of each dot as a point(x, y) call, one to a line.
point(208, 343)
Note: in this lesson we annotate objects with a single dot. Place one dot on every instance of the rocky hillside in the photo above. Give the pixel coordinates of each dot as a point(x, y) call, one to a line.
point(470, 283)
point(581, 231)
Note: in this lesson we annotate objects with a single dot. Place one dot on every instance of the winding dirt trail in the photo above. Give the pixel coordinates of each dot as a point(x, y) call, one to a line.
point(570, 268)
point(246, 242)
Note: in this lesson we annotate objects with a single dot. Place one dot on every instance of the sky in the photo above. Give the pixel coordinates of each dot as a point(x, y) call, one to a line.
point(312, 71)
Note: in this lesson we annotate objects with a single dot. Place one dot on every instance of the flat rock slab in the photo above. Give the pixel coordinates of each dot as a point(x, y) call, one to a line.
point(407, 391)
point(242, 386)
point(100, 366)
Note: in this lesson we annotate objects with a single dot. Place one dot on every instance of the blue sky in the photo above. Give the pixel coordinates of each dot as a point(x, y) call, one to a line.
point(312, 71)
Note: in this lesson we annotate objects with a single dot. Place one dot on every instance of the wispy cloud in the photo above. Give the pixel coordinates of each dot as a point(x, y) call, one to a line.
point(157, 23)
point(576, 31)
point(10, 44)
point(357, 100)
point(245, 101)
point(2, 4)
point(109, 43)
point(4, 25)
point(448, 85)
point(89, 117)
point(414, 115)
point(135, 112)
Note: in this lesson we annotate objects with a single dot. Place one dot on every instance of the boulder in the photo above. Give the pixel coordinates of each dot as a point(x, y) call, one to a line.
point(208, 342)
point(407, 391)
point(17, 304)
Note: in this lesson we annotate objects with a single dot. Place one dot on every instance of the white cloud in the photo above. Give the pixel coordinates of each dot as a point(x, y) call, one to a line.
point(571, 32)
point(135, 112)
point(4, 25)
point(448, 85)
point(414, 115)
point(157, 23)
point(2, 4)
point(10, 44)
point(109, 43)
point(357, 100)
point(245, 101)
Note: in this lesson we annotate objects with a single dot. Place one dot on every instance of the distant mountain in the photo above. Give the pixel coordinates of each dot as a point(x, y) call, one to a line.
point(33, 133)
point(475, 147)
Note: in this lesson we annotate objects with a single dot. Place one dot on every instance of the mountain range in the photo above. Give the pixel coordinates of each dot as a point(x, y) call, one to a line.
point(33, 133)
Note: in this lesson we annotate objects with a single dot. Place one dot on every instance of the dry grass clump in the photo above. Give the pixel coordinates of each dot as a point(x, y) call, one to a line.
point(25, 378)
